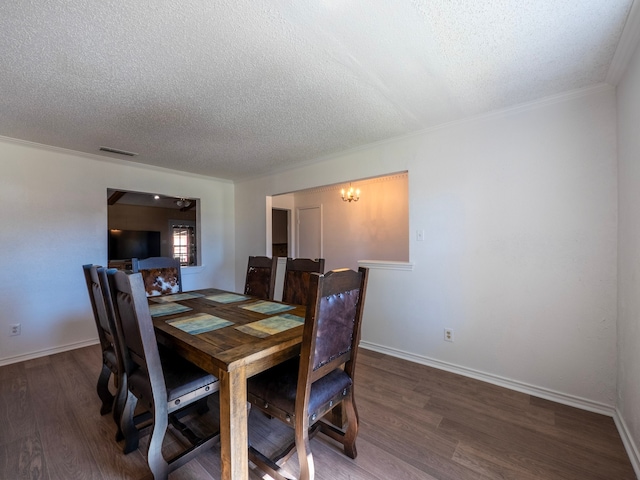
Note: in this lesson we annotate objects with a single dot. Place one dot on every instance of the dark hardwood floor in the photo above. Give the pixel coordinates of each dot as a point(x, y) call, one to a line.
point(416, 423)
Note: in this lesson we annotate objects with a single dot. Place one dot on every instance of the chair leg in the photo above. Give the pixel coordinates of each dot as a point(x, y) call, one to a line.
point(157, 464)
point(351, 432)
point(267, 465)
point(118, 405)
point(127, 424)
point(347, 436)
point(305, 457)
point(103, 390)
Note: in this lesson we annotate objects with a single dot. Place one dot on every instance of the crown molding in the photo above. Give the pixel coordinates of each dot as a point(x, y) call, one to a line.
point(107, 159)
point(480, 117)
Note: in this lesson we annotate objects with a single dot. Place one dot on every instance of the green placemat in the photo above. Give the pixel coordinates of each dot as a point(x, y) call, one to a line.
point(267, 308)
point(167, 309)
point(271, 325)
point(227, 297)
point(176, 297)
point(199, 323)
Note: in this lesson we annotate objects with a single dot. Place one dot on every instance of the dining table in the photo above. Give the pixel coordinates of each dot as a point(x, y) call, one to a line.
point(232, 336)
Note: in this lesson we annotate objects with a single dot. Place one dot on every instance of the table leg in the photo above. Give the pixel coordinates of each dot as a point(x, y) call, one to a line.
point(234, 438)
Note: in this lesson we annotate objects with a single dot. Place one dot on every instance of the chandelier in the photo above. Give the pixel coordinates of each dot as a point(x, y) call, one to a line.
point(350, 195)
point(183, 202)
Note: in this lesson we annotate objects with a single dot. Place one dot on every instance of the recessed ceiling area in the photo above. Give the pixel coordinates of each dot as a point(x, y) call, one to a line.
point(239, 88)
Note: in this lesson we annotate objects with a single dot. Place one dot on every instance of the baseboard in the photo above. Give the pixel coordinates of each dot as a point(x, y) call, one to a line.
point(547, 394)
point(627, 440)
point(49, 351)
point(571, 400)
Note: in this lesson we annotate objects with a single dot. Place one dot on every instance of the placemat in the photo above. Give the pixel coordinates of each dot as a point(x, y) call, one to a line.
point(167, 309)
point(263, 306)
point(227, 297)
point(271, 325)
point(199, 323)
point(176, 297)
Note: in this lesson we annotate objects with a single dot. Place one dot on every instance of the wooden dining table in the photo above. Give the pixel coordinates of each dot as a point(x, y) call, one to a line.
point(229, 352)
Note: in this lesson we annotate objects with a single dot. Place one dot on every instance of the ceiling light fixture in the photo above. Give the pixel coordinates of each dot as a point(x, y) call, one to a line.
point(183, 203)
point(350, 195)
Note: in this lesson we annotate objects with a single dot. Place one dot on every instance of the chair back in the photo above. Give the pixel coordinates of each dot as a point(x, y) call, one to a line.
point(332, 325)
point(135, 326)
point(296, 279)
point(301, 391)
point(161, 275)
point(101, 305)
point(261, 277)
point(163, 383)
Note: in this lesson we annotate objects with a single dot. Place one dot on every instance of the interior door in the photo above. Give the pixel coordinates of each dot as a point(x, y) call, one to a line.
point(309, 238)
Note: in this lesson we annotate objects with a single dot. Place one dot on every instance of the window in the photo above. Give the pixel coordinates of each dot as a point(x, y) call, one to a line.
point(184, 245)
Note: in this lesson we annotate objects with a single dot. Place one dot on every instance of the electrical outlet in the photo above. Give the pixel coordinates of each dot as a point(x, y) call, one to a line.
point(15, 329)
point(448, 335)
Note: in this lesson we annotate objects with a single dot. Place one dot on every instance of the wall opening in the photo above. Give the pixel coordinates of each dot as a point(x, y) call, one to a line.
point(375, 227)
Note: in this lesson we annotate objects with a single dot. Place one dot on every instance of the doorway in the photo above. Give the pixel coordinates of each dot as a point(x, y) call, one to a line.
point(280, 232)
point(309, 232)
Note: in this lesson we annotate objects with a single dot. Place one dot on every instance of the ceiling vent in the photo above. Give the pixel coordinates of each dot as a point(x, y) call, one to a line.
point(118, 152)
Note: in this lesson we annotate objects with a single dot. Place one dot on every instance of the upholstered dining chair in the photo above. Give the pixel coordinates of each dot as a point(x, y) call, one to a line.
point(102, 306)
point(161, 275)
point(111, 363)
point(261, 277)
point(302, 390)
point(163, 384)
point(296, 279)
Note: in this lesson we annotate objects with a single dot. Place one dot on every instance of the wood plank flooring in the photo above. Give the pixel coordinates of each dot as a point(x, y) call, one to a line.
point(416, 423)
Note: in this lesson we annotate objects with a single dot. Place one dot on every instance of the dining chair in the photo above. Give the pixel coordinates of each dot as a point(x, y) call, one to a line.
point(111, 362)
point(261, 277)
point(164, 384)
point(102, 306)
point(161, 275)
point(302, 390)
point(296, 279)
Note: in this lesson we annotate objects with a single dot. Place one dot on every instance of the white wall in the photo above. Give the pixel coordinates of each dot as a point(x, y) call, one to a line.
point(519, 213)
point(54, 219)
point(628, 401)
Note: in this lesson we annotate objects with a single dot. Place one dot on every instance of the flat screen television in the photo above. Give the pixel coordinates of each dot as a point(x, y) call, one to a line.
point(126, 244)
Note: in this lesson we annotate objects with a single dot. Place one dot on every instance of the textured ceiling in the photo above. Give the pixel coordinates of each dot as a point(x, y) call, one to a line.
point(238, 88)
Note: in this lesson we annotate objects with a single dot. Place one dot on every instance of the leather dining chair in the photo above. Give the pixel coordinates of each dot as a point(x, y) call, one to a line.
point(302, 390)
point(296, 279)
point(163, 384)
point(161, 275)
point(111, 364)
point(261, 277)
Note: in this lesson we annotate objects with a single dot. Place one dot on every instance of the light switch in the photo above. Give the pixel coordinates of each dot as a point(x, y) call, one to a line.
point(420, 235)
